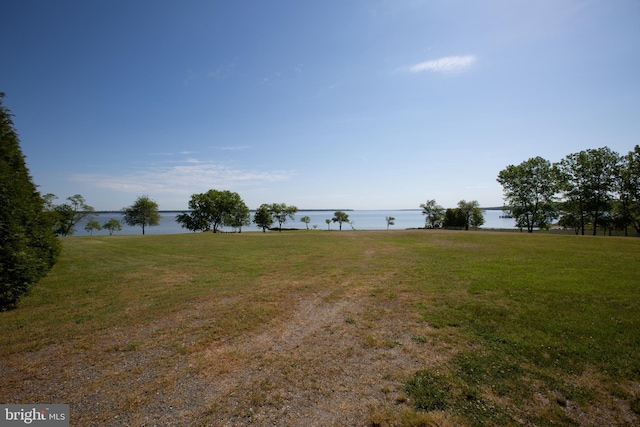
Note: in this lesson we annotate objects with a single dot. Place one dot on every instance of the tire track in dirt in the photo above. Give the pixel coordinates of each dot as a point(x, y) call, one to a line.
point(315, 368)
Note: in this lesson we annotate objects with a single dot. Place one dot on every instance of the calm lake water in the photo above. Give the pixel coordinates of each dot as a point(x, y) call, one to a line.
point(360, 219)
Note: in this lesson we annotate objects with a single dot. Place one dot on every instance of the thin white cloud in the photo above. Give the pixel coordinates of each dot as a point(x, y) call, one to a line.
point(447, 64)
point(192, 176)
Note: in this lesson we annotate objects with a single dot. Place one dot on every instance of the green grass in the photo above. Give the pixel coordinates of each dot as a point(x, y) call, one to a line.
point(530, 324)
point(539, 310)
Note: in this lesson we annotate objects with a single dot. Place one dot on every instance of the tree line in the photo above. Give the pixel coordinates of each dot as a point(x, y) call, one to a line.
point(208, 211)
point(215, 208)
point(465, 215)
point(64, 217)
point(591, 189)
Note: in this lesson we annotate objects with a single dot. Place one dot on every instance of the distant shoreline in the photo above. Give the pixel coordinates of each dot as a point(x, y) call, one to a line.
point(253, 210)
point(305, 210)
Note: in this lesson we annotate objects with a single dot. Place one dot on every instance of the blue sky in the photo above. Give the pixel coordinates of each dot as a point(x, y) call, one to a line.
point(359, 104)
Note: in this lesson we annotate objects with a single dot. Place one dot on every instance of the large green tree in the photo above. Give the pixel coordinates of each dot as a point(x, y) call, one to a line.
point(628, 188)
point(587, 180)
point(214, 209)
point(471, 213)
point(454, 218)
point(281, 213)
point(529, 192)
point(238, 215)
point(434, 214)
point(28, 247)
point(262, 218)
point(144, 212)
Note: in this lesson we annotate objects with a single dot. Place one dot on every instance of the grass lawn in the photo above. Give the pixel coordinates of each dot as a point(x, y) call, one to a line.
point(316, 328)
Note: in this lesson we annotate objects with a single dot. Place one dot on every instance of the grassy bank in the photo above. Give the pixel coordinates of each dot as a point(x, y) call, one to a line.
point(333, 328)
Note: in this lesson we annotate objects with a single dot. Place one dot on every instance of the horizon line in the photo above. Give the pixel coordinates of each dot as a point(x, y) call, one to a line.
point(301, 210)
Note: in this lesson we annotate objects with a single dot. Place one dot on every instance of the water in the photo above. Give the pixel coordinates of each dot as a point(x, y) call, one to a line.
point(360, 220)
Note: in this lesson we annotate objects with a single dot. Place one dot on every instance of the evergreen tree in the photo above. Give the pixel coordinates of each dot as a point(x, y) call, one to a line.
point(28, 247)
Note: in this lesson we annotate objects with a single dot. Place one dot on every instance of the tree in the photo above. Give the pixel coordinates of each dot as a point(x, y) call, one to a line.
point(281, 212)
point(306, 220)
point(239, 214)
point(213, 209)
point(569, 220)
point(112, 225)
point(92, 225)
point(472, 213)
point(628, 189)
point(28, 246)
point(262, 218)
point(434, 214)
point(389, 220)
point(477, 218)
point(67, 215)
point(529, 191)
point(328, 221)
point(340, 217)
point(205, 212)
point(587, 180)
point(454, 218)
point(193, 221)
point(144, 212)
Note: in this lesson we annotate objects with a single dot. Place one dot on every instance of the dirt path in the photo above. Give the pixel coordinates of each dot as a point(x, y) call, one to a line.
point(328, 361)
